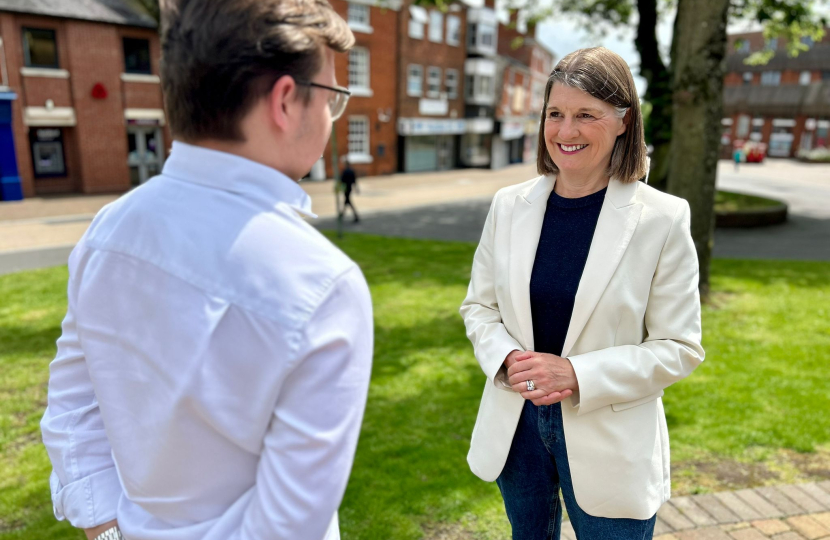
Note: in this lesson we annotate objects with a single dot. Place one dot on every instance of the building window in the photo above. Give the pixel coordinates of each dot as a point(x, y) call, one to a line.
point(747, 78)
point(743, 126)
point(359, 67)
point(742, 45)
point(47, 152)
point(40, 49)
point(487, 33)
point(771, 78)
point(359, 135)
point(137, 56)
point(436, 26)
point(415, 80)
point(808, 41)
point(433, 81)
point(825, 75)
point(359, 16)
point(417, 20)
point(453, 30)
point(451, 81)
point(805, 77)
point(772, 44)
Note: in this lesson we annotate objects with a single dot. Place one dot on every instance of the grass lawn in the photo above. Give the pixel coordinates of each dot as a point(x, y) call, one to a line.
point(726, 201)
point(755, 412)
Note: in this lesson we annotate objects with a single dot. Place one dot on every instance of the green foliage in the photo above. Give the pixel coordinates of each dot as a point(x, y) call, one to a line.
point(763, 385)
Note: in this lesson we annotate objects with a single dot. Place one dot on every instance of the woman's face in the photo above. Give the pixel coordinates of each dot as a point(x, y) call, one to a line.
point(580, 130)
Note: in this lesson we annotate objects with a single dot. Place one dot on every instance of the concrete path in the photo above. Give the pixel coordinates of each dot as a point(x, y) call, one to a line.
point(452, 205)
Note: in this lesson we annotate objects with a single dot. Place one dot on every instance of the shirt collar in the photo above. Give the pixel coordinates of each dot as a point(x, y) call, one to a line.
point(235, 174)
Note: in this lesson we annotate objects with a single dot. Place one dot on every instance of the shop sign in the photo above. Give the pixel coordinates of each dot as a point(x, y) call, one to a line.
point(511, 130)
point(426, 126)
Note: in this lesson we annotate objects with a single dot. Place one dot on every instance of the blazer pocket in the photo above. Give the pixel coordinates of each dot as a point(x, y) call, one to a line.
point(629, 404)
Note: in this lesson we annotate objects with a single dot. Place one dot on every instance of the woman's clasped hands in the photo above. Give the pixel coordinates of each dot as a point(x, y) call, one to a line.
point(554, 378)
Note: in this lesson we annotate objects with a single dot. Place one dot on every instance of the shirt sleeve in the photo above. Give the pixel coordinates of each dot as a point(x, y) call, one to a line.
point(84, 483)
point(310, 445)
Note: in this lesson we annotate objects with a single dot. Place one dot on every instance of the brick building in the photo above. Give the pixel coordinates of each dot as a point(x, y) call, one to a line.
point(431, 56)
point(784, 103)
point(367, 135)
point(523, 67)
point(88, 116)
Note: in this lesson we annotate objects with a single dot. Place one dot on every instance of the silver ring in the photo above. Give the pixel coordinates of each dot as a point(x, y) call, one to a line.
point(531, 386)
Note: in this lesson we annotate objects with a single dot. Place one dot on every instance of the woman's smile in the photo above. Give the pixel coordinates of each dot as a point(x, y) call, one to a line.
point(570, 149)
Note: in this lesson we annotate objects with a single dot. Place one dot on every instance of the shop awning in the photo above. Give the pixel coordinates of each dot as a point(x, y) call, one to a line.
point(145, 116)
point(49, 116)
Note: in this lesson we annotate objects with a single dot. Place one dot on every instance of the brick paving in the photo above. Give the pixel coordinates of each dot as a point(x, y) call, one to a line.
point(789, 512)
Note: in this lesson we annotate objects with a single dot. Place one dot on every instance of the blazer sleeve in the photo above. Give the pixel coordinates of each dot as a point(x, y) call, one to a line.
point(671, 349)
point(480, 309)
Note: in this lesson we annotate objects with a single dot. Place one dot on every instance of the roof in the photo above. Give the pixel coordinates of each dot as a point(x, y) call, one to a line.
point(785, 100)
point(126, 12)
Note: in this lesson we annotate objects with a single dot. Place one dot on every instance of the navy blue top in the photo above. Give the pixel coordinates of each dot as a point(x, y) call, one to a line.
point(560, 259)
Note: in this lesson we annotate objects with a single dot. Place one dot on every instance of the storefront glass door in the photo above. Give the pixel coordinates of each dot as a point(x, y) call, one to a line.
point(146, 152)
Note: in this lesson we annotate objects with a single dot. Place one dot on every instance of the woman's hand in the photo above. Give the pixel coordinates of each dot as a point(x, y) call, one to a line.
point(553, 376)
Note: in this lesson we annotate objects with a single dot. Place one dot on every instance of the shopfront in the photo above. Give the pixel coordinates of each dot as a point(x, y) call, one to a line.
point(145, 143)
point(428, 144)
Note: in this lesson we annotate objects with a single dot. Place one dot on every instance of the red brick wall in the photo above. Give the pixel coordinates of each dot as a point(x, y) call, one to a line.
point(382, 44)
point(95, 150)
point(101, 129)
point(426, 53)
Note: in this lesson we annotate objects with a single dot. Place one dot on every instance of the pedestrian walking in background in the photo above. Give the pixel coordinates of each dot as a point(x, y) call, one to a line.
point(349, 180)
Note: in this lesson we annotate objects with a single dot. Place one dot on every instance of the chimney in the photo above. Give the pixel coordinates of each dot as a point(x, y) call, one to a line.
point(531, 27)
point(514, 20)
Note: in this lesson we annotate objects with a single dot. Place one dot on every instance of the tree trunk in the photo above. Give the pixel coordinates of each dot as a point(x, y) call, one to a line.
point(698, 66)
point(658, 92)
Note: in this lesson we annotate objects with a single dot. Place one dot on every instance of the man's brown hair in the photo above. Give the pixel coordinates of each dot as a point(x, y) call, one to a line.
point(220, 56)
point(604, 75)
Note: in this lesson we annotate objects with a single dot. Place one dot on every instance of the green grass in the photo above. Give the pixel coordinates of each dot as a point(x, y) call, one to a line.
point(756, 406)
point(726, 201)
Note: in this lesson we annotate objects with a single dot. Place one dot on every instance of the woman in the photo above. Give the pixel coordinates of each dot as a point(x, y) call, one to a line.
point(582, 308)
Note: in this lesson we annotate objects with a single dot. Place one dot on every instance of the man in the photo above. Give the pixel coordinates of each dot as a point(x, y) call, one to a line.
point(212, 374)
point(349, 180)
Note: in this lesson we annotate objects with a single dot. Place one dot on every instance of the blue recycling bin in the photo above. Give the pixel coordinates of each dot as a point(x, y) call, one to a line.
point(10, 189)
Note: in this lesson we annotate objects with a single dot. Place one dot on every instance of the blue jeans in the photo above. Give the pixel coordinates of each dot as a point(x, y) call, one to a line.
point(536, 468)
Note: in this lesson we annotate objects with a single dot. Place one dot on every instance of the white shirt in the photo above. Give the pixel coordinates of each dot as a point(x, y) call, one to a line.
point(212, 374)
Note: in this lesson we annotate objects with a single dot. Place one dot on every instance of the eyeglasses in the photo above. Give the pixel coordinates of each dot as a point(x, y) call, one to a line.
point(338, 100)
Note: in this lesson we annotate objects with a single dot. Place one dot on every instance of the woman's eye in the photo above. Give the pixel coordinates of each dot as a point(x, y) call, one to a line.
point(554, 114)
point(586, 116)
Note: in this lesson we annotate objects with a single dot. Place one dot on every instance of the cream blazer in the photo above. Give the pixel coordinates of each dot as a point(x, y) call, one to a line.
point(635, 330)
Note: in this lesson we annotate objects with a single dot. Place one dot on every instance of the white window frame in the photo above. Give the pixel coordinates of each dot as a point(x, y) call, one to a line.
point(747, 77)
point(771, 78)
point(359, 18)
point(410, 78)
point(454, 30)
point(436, 26)
point(359, 80)
point(358, 140)
point(452, 89)
point(433, 80)
point(805, 77)
point(417, 20)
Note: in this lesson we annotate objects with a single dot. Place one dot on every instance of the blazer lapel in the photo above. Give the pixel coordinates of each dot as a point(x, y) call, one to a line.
point(525, 230)
point(617, 220)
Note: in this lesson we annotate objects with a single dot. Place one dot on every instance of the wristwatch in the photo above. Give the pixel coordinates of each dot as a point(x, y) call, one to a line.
point(113, 533)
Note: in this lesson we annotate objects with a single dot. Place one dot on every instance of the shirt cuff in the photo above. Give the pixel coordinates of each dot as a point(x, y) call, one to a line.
point(88, 502)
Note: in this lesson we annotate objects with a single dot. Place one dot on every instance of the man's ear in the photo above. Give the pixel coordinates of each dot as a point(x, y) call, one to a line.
point(282, 101)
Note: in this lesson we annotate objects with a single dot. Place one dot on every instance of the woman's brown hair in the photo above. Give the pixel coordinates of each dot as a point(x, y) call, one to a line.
point(604, 75)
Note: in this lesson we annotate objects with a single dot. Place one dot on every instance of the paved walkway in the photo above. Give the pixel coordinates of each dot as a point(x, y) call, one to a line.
point(788, 512)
